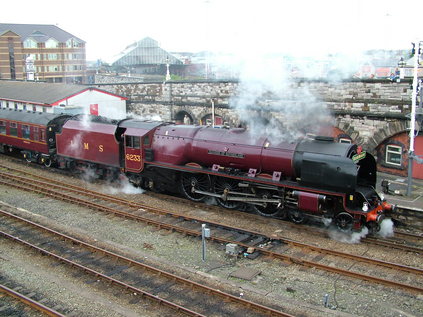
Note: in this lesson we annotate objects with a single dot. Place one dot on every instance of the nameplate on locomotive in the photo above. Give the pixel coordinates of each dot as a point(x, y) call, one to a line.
point(238, 155)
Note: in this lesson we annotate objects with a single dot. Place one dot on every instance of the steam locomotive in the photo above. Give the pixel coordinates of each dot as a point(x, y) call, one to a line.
point(312, 177)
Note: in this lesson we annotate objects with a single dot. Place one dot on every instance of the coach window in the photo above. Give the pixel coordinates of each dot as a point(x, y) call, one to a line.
point(393, 155)
point(25, 132)
point(36, 134)
point(42, 135)
point(2, 127)
point(13, 129)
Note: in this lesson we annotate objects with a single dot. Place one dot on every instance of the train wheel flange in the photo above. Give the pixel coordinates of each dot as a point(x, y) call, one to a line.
point(296, 216)
point(222, 187)
point(344, 221)
point(47, 162)
point(373, 227)
point(189, 181)
point(267, 209)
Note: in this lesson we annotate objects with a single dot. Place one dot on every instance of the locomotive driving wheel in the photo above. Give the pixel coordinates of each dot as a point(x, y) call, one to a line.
point(296, 216)
point(189, 182)
point(223, 186)
point(267, 209)
point(344, 221)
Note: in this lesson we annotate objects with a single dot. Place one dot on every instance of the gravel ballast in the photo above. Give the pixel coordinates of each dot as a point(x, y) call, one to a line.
point(299, 290)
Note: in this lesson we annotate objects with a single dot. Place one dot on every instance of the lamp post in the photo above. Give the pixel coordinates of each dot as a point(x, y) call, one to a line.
point(167, 69)
point(413, 118)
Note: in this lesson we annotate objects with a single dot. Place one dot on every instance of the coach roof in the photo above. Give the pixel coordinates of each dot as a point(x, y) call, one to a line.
point(40, 118)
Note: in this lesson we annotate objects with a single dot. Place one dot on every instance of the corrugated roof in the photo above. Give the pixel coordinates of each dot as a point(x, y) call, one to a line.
point(38, 92)
point(39, 32)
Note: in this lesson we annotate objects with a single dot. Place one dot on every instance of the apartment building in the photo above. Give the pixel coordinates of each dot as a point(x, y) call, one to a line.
point(41, 52)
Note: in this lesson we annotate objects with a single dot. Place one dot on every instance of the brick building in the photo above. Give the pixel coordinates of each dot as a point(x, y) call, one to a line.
point(56, 56)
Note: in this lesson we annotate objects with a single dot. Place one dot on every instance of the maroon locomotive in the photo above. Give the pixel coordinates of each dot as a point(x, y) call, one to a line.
point(312, 177)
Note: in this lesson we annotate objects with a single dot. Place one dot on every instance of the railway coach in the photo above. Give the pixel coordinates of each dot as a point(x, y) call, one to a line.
point(34, 134)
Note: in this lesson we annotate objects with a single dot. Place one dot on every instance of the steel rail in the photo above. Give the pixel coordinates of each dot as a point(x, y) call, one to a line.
point(267, 310)
point(171, 227)
point(92, 193)
point(30, 302)
point(291, 259)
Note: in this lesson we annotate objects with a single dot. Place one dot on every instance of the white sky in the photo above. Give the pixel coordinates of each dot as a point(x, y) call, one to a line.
point(299, 26)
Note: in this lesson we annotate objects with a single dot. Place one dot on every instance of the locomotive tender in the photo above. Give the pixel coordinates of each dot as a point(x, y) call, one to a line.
point(312, 177)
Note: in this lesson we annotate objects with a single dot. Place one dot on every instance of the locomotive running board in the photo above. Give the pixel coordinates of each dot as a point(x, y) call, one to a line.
point(243, 199)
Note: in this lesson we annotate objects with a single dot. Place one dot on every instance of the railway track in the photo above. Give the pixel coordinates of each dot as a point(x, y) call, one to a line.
point(143, 281)
point(353, 266)
point(402, 240)
point(28, 301)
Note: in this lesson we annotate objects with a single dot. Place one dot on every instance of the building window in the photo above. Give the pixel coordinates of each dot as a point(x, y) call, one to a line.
point(52, 43)
point(12, 60)
point(13, 129)
point(52, 57)
point(26, 132)
point(2, 127)
point(30, 43)
point(73, 43)
point(393, 155)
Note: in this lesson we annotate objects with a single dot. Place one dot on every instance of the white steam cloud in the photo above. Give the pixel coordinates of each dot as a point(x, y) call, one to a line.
point(348, 237)
point(386, 231)
point(122, 185)
point(386, 228)
point(270, 102)
point(151, 117)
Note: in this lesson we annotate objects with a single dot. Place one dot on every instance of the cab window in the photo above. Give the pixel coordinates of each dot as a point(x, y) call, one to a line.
point(146, 140)
point(132, 141)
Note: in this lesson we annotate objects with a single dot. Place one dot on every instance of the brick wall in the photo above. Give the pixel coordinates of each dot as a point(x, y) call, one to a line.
point(369, 111)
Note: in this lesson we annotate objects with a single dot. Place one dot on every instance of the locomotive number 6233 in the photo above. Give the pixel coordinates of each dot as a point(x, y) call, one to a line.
point(133, 157)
